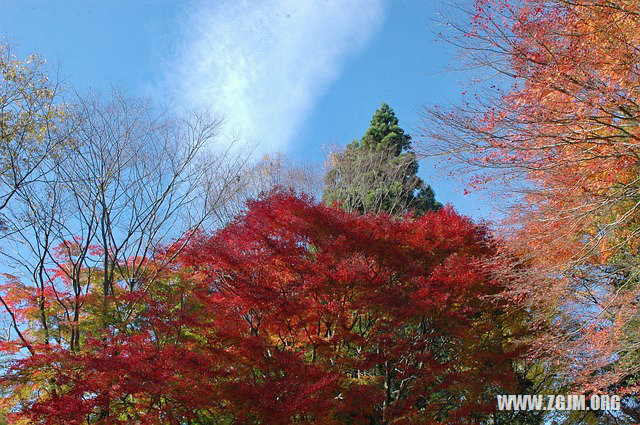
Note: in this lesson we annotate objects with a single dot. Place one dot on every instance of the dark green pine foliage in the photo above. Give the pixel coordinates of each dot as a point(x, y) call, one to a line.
point(379, 172)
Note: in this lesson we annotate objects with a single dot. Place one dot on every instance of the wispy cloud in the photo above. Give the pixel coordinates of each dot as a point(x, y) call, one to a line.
point(265, 63)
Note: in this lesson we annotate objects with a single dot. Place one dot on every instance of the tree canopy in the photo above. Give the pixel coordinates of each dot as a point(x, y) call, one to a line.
point(562, 134)
point(378, 172)
point(294, 313)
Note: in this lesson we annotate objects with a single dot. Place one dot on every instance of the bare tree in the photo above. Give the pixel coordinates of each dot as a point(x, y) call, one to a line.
point(271, 172)
point(134, 180)
point(31, 119)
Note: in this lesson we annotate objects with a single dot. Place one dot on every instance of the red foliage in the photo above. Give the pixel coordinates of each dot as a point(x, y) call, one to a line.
point(559, 130)
point(294, 313)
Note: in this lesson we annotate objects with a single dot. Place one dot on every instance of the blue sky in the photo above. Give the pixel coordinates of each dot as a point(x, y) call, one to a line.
point(290, 75)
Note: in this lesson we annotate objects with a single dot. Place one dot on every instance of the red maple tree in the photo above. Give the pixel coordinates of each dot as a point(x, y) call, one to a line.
point(294, 313)
point(559, 129)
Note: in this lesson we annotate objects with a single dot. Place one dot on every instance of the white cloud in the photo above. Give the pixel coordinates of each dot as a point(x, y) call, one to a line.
point(265, 63)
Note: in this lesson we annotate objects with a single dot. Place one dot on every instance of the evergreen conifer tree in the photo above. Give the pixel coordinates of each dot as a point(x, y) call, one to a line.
point(379, 172)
